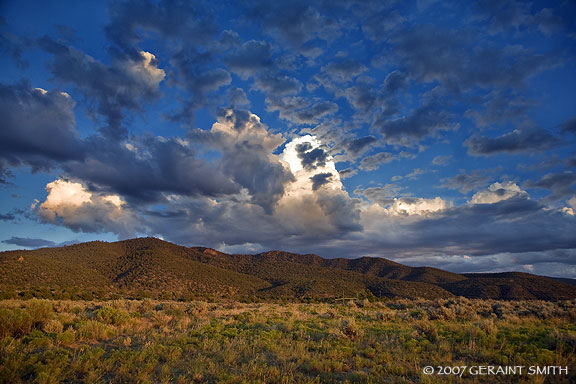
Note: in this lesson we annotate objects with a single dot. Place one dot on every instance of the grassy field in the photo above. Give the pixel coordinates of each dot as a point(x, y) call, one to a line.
point(147, 341)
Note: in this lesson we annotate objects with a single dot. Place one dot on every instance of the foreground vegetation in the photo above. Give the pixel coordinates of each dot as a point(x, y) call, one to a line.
point(356, 341)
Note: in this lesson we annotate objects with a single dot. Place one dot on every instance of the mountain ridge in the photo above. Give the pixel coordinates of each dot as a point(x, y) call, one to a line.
point(155, 267)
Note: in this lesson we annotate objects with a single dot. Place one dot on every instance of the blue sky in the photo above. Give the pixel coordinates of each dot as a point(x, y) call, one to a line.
point(429, 132)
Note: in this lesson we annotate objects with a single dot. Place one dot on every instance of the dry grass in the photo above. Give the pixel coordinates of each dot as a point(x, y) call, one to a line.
point(150, 341)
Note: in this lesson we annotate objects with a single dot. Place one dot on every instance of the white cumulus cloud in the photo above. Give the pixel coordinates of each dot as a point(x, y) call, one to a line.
point(72, 205)
point(498, 192)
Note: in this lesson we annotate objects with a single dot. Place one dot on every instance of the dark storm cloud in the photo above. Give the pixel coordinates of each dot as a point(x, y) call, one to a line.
point(300, 110)
point(362, 97)
point(316, 111)
point(195, 73)
point(7, 217)
point(116, 88)
point(344, 70)
point(37, 128)
point(265, 180)
point(191, 22)
point(320, 179)
point(13, 45)
point(382, 195)
point(295, 22)
point(311, 158)
point(570, 126)
point(378, 25)
point(190, 31)
point(251, 58)
point(347, 172)
point(517, 14)
point(29, 242)
point(237, 97)
point(501, 107)
point(427, 120)
point(455, 59)
point(373, 162)
point(516, 141)
point(395, 80)
point(276, 84)
point(359, 145)
point(467, 182)
point(560, 184)
point(246, 156)
point(512, 225)
point(151, 168)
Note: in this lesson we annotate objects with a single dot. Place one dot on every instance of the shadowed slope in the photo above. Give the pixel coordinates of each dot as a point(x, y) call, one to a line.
point(157, 267)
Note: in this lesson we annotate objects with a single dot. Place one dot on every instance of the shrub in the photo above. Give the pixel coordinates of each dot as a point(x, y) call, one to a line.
point(66, 337)
point(349, 328)
point(197, 308)
point(427, 330)
point(93, 330)
point(41, 311)
point(53, 326)
point(113, 316)
point(15, 322)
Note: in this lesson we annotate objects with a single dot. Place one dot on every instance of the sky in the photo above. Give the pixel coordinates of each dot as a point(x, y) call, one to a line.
point(439, 133)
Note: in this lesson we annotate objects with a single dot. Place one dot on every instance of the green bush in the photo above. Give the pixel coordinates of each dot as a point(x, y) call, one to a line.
point(94, 330)
point(15, 322)
point(113, 316)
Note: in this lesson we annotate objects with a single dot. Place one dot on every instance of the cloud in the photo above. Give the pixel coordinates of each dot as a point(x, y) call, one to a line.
point(237, 97)
point(344, 70)
point(395, 80)
point(466, 182)
point(250, 58)
point(378, 24)
point(299, 110)
point(414, 174)
point(456, 60)
point(514, 225)
point(348, 172)
point(294, 22)
point(560, 184)
point(191, 22)
point(311, 157)
point(417, 206)
point(121, 86)
point(29, 242)
point(13, 45)
point(383, 196)
point(569, 126)
point(7, 217)
point(246, 147)
point(373, 162)
point(277, 84)
point(441, 160)
point(513, 142)
point(427, 120)
point(359, 145)
point(516, 15)
point(362, 97)
point(511, 225)
point(195, 72)
point(38, 128)
point(501, 107)
point(320, 179)
point(70, 204)
point(147, 169)
point(498, 192)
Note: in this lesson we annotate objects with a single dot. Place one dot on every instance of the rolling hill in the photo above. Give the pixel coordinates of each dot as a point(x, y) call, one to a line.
point(156, 268)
